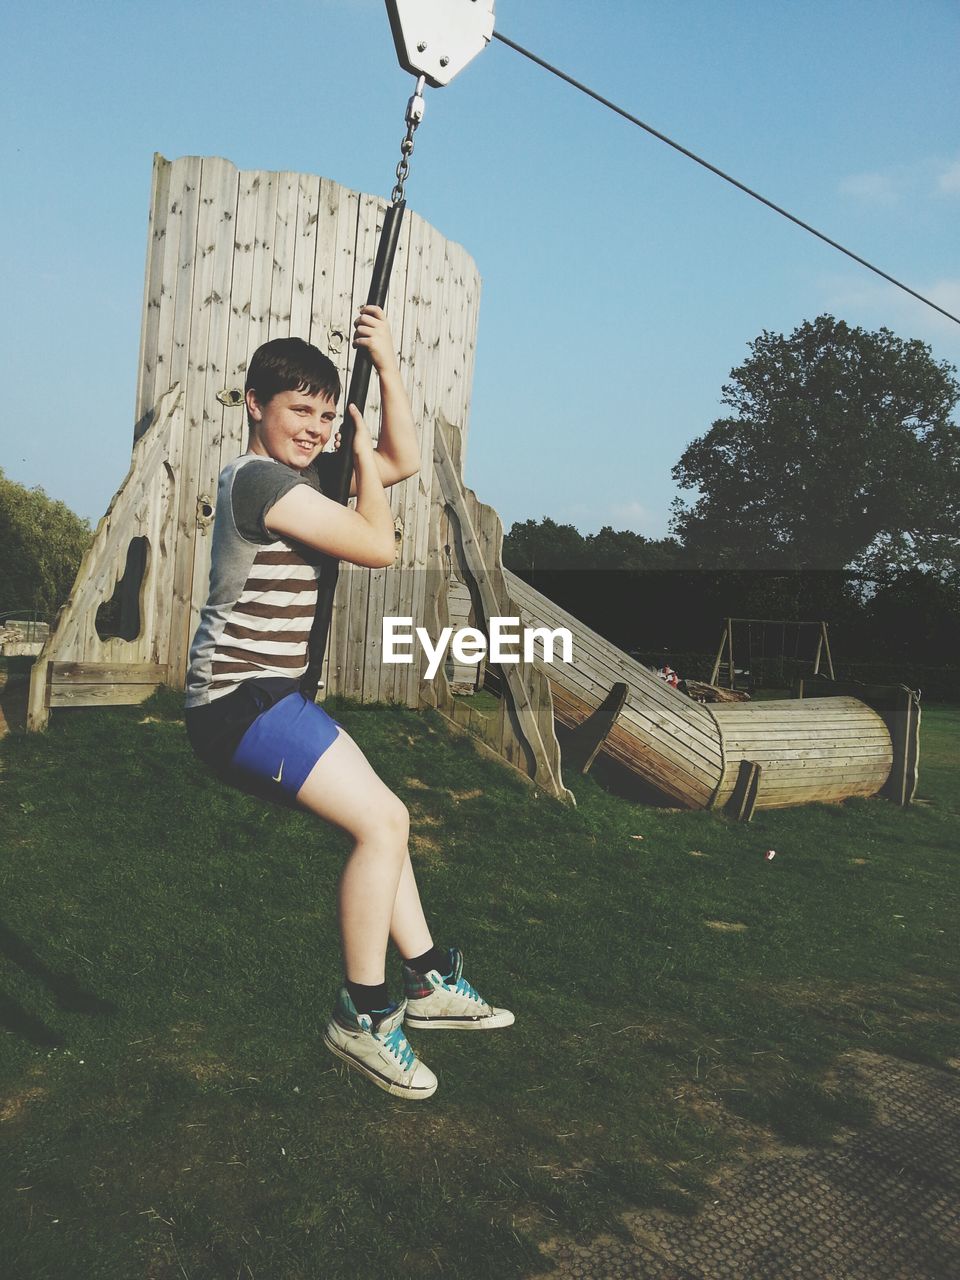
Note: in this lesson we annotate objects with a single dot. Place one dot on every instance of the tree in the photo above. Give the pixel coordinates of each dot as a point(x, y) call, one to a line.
point(544, 544)
point(533, 545)
point(42, 542)
point(840, 452)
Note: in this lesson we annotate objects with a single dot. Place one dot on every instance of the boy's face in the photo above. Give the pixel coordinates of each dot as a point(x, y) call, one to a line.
point(292, 427)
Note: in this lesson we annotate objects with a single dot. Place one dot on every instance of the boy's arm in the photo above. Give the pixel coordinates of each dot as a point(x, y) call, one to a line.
point(397, 452)
point(363, 535)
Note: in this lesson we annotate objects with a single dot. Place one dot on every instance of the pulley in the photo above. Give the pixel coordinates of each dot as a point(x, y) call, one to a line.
point(437, 38)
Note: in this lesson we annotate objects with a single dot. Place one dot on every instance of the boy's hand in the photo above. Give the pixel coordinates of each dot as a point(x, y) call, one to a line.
point(362, 441)
point(370, 330)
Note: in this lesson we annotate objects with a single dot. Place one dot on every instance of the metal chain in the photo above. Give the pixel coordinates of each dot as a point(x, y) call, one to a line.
point(413, 117)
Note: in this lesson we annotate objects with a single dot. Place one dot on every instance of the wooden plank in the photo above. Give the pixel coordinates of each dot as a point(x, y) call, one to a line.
point(663, 768)
point(824, 758)
point(157, 247)
point(715, 673)
point(285, 235)
point(264, 250)
point(850, 734)
point(472, 289)
point(643, 717)
point(809, 711)
point(322, 324)
point(239, 349)
point(178, 225)
point(209, 335)
point(546, 754)
point(435, 286)
point(99, 695)
point(38, 697)
point(108, 673)
point(686, 719)
point(371, 649)
point(454, 404)
point(185, 190)
point(743, 801)
point(649, 743)
point(816, 782)
point(304, 258)
point(589, 736)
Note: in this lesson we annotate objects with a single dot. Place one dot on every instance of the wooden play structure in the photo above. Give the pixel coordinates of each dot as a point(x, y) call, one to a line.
point(236, 258)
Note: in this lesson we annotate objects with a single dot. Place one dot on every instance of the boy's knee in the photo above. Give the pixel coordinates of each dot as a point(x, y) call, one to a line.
point(387, 819)
point(397, 818)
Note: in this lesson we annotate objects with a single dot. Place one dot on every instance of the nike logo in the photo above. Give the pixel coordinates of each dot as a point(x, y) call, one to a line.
point(279, 774)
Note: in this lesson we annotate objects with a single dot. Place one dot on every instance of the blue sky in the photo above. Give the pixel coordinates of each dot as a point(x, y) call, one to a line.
point(621, 282)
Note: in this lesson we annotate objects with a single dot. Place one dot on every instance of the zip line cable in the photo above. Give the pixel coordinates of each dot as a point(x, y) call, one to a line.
point(591, 93)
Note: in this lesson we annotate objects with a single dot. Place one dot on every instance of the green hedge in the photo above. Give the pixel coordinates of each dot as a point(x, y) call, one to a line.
point(936, 684)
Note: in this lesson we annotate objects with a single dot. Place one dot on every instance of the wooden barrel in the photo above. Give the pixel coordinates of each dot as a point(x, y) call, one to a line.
point(808, 749)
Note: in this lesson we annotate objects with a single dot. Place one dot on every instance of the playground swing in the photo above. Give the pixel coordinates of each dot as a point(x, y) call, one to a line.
point(759, 666)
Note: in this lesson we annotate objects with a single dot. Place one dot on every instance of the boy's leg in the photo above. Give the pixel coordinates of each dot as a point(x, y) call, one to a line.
point(379, 896)
point(343, 789)
point(408, 924)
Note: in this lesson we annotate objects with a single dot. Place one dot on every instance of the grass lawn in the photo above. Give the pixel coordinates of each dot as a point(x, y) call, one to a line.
point(170, 955)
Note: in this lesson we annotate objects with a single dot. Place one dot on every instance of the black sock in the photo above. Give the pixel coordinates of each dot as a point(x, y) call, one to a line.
point(368, 999)
point(436, 958)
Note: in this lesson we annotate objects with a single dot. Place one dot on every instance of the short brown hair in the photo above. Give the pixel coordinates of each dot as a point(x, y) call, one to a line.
point(291, 364)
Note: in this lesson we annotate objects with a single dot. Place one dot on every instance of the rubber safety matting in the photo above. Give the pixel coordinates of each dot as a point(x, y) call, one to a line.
point(881, 1204)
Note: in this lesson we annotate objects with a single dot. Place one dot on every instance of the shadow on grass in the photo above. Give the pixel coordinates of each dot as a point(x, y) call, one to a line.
point(68, 993)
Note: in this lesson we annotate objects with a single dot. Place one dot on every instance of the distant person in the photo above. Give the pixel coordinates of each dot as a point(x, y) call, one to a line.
point(247, 719)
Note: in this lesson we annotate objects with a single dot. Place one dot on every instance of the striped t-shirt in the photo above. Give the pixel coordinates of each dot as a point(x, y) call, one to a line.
point(263, 590)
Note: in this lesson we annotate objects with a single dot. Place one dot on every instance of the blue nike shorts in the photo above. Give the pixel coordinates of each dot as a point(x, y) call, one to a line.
point(284, 743)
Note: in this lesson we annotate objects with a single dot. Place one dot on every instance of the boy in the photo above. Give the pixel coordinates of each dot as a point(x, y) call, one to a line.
point(247, 719)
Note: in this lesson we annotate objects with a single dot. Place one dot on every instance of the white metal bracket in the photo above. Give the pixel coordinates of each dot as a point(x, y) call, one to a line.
point(437, 38)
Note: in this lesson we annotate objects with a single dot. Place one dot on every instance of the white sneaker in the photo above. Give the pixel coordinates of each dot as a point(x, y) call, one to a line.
point(438, 1001)
point(378, 1049)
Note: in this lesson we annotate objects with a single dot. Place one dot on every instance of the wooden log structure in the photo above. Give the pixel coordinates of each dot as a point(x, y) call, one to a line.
point(235, 259)
point(741, 755)
point(809, 749)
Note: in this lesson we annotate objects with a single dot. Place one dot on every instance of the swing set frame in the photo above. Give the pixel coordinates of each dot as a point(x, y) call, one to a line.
point(726, 646)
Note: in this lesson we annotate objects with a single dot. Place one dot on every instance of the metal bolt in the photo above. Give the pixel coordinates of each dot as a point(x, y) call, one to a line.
point(444, 61)
point(421, 47)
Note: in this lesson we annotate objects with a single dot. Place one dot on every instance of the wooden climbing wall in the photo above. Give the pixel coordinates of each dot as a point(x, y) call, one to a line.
point(237, 258)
